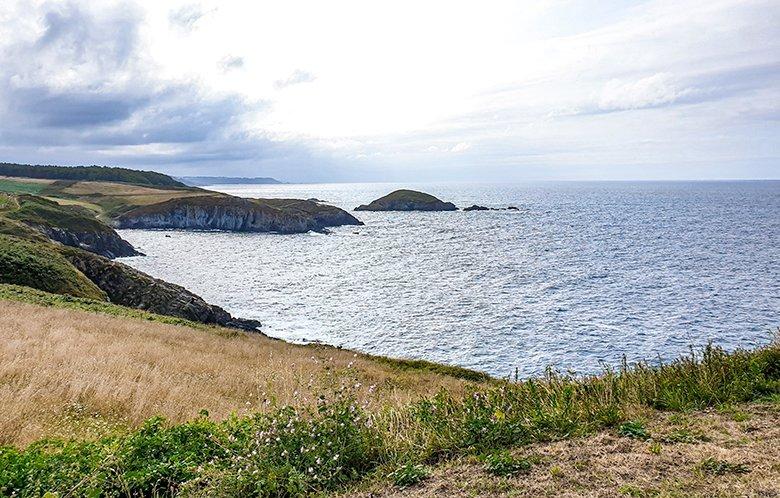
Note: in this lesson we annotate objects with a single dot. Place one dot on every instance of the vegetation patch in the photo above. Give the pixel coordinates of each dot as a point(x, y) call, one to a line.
point(429, 366)
point(305, 450)
point(21, 187)
point(634, 429)
point(503, 464)
point(713, 466)
point(29, 295)
point(39, 211)
point(41, 266)
point(408, 475)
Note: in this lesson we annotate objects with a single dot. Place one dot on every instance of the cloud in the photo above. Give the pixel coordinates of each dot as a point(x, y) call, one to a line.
point(187, 16)
point(295, 78)
point(651, 91)
point(460, 147)
point(231, 62)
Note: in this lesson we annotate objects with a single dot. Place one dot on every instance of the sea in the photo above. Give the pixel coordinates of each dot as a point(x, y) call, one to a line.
point(583, 276)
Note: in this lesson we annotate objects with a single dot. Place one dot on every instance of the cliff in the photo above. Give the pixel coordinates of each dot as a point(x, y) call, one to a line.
point(70, 225)
point(129, 287)
point(237, 214)
point(408, 200)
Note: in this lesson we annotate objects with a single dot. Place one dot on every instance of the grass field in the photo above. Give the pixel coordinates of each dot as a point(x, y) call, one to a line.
point(27, 186)
point(59, 363)
point(250, 416)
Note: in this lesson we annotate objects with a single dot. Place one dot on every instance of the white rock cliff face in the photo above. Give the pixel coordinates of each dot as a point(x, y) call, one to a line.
point(239, 215)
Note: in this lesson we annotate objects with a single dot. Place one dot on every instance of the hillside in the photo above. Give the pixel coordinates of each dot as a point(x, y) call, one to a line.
point(77, 372)
point(89, 173)
point(250, 416)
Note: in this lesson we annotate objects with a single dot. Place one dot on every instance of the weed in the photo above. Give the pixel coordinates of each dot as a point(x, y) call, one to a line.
point(503, 464)
point(633, 429)
point(408, 475)
point(713, 466)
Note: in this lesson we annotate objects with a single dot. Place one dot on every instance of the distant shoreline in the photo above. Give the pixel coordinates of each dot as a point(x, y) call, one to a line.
point(204, 181)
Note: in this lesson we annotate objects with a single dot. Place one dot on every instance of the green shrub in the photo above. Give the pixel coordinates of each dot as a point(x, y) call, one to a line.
point(633, 429)
point(503, 464)
point(408, 475)
point(713, 466)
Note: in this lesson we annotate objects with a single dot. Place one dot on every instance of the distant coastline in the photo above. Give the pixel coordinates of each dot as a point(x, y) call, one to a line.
point(202, 181)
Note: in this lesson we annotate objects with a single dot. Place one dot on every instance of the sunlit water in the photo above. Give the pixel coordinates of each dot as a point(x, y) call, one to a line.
point(583, 274)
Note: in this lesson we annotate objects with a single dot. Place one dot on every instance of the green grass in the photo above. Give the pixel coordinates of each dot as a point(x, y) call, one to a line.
point(40, 265)
point(29, 295)
point(428, 366)
point(20, 187)
point(39, 211)
point(296, 451)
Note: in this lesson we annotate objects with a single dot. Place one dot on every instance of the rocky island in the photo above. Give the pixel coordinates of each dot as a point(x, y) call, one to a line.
point(408, 200)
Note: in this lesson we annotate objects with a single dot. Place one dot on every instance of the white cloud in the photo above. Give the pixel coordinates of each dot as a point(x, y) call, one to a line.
point(460, 147)
point(652, 91)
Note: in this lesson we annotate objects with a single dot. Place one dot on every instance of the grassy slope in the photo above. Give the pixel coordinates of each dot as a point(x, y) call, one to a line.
point(40, 265)
point(21, 186)
point(118, 367)
point(336, 418)
point(40, 211)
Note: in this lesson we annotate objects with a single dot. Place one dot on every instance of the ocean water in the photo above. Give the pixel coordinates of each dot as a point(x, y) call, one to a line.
point(582, 275)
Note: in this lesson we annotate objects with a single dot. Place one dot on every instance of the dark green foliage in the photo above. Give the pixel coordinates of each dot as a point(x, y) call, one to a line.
point(408, 475)
point(634, 429)
point(713, 466)
point(503, 464)
point(89, 173)
point(287, 453)
point(41, 266)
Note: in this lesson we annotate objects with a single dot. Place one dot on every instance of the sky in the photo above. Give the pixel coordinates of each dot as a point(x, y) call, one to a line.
point(311, 91)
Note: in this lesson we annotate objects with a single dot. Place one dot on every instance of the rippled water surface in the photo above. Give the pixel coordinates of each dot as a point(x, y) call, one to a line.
point(584, 273)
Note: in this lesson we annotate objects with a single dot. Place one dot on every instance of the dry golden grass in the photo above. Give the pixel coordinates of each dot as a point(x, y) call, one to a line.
point(72, 373)
point(607, 465)
point(131, 194)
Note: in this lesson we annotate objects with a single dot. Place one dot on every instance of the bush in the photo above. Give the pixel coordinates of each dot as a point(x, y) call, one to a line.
point(408, 475)
point(633, 429)
point(713, 466)
point(504, 464)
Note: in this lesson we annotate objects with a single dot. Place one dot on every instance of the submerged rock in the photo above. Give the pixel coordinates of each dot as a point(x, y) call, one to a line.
point(476, 207)
point(408, 200)
point(238, 215)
